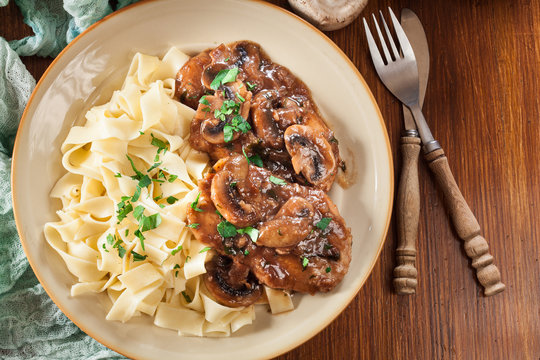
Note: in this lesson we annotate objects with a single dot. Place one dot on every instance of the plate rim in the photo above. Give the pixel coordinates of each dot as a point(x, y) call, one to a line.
point(308, 334)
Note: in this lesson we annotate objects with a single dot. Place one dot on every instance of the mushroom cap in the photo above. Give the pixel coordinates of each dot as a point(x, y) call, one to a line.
point(328, 15)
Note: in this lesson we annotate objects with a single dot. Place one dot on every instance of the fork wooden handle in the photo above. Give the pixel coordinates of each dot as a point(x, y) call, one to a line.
point(466, 225)
point(408, 212)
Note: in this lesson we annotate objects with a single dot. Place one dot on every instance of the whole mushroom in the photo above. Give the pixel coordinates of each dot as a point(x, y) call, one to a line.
point(328, 15)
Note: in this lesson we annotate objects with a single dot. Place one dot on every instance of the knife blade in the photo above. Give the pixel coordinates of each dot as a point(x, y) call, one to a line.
point(408, 195)
point(417, 37)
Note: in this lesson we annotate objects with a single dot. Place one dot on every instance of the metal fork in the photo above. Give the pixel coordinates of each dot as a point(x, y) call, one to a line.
point(400, 76)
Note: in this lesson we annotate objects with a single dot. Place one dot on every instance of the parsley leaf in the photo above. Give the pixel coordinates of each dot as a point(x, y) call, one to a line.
point(172, 178)
point(305, 262)
point(118, 175)
point(154, 166)
point(226, 229)
point(328, 269)
point(138, 212)
point(277, 181)
point(144, 181)
point(138, 175)
point(121, 251)
point(194, 205)
point(228, 133)
point(250, 231)
point(160, 144)
point(137, 256)
point(137, 193)
point(150, 222)
point(171, 200)
point(223, 77)
point(141, 237)
point(205, 249)
point(256, 160)
point(250, 86)
point(186, 296)
point(203, 100)
point(193, 226)
point(110, 239)
point(323, 223)
point(123, 210)
point(176, 250)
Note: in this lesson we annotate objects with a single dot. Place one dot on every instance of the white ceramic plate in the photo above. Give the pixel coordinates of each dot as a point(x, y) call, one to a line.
point(85, 73)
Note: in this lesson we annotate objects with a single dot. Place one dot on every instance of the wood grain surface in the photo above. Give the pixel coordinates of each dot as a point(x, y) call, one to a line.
point(482, 104)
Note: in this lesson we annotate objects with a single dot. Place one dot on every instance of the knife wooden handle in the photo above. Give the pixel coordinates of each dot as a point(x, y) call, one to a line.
point(466, 225)
point(408, 212)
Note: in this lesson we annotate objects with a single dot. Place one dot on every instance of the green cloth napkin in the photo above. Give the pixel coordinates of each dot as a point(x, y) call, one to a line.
point(31, 326)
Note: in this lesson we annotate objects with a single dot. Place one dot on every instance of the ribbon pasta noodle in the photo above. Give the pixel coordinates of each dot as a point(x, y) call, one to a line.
point(131, 174)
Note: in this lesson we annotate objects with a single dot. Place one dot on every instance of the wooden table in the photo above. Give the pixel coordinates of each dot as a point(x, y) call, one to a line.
point(483, 106)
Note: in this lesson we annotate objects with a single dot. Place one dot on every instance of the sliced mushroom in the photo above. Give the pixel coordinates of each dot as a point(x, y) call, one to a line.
point(311, 155)
point(264, 123)
point(229, 198)
point(328, 15)
point(290, 225)
point(189, 87)
point(231, 283)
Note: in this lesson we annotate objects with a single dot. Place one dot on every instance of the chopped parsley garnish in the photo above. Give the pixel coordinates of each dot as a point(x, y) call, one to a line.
point(186, 296)
point(176, 272)
point(233, 184)
point(204, 101)
point(240, 97)
point(104, 247)
point(118, 175)
point(137, 256)
point(150, 222)
point(160, 144)
point(141, 237)
point(277, 181)
point(159, 197)
point(246, 252)
point(328, 269)
point(138, 175)
point(110, 239)
point(138, 212)
point(154, 166)
point(250, 86)
point(205, 249)
point(144, 181)
point(226, 229)
point(238, 124)
point(256, 160)
point(141, 132)
point(171, 200)
point(176, 250)
point(137, 194)
point(187, 258)
point(172, 178)
point(327, 246)
point(323, 223)
point(195, 204)
point(121, 251)
point(126, 233)
point(123, 210)
point(250, 231)
point(223, 77)
point(193, 226)
point(305, 262)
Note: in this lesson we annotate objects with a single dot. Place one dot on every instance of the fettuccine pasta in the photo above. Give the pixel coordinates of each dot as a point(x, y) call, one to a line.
point(131, 175)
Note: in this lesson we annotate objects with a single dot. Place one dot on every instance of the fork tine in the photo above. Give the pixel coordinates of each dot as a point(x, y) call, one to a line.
point(390, 38)
point(383, 43)
point(403, 41)
point(373, 50)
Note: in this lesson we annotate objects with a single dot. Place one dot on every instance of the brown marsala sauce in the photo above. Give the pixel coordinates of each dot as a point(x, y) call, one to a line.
point(287, 130)
point(303, 243)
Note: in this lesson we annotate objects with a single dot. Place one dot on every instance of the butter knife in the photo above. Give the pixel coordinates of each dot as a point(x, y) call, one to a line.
point(408, 200)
